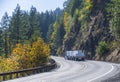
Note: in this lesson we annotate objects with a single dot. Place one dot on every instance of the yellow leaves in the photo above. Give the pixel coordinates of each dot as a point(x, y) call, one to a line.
point(55, 25)
point(81, 17)
point(68, 23)
point(8, 64)
point(66, 15)
point(88, 7)
point(85, 10)
point(88, 1)
point(24, 56)
point(88, 4)
point(39, 51)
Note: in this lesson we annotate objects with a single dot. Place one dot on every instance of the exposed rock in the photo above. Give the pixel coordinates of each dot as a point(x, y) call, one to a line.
point(96, 30)
point(114, 56)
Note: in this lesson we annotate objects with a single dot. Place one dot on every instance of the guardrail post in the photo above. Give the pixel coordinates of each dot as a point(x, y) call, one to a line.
point(28, 73)
point(33, 72)
point(22, 74)
point(4, 77)
point(16, 75)
point(10, 76)
point(43, 69)
point(37, 71)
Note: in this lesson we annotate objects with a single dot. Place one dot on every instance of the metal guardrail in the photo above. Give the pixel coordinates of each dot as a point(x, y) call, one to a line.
point(27, 72)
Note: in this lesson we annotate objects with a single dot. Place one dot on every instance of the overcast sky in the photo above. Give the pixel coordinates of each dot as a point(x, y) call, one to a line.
point(41, 5)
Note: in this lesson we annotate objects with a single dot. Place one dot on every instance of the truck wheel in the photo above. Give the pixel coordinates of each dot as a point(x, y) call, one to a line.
point(83, 59)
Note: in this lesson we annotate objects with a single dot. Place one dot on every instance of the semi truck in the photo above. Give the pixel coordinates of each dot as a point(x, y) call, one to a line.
point(75, 55)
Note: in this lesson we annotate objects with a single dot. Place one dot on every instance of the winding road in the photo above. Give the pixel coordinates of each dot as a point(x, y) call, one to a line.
point(74, 71)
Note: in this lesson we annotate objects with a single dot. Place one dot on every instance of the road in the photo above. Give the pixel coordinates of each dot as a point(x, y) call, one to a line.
point(74, 71)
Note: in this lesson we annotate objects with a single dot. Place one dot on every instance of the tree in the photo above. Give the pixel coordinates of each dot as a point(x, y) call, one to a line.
point(29, 57)
point(34, 29)
point(49, 33)
point(57, 35)
point(21, 54)
point(71, 5)
point(15, 25)
point(40, 52)
point(114, 15)
point(1, 43)
point(24, 27)
point(5, 26)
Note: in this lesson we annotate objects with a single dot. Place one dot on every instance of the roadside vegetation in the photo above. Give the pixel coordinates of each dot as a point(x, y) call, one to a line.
point(102, 48)
point(22, 40)
point(25, 56)
point(28, 38)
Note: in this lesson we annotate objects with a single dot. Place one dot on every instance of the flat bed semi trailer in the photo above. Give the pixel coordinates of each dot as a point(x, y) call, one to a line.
point(75, 55)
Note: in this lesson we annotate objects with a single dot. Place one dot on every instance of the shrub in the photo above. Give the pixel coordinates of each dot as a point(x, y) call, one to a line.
point(24, 56)
point(40, 53)
point(102, 48)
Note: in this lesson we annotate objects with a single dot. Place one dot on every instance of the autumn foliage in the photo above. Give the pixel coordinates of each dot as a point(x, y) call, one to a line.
point(39, 53)
point(26, 56)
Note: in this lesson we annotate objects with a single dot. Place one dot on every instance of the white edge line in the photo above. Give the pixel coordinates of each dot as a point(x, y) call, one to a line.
point(102, 75)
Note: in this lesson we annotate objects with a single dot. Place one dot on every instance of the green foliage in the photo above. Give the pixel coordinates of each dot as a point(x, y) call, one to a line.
point(76, 11)
point(102, 48)
point(85, 11)
point(24, 56)
point(113, 10)
point(15, 25)
point(71, 5)
point(4, 34)
point(25, 27)
point(46, 19)
point(1, 43)
point(49, 33)
point(19, 38)
point(57, 36)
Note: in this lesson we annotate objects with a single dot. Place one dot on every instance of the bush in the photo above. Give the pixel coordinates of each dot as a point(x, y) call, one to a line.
point(102, 48)
point(25, 56)
point(40, 53)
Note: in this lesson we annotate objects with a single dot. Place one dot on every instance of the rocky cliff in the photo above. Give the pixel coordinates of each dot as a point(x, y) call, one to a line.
point(96, 30)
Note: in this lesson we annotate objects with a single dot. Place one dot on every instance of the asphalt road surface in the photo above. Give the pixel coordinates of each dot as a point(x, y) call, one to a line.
point(74, 71)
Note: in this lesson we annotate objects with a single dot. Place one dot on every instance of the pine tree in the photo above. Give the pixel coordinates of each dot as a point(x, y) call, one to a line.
point(15, 25)
point(5, 26)
point(1, 43)
point(114, 14)
point(34, 29)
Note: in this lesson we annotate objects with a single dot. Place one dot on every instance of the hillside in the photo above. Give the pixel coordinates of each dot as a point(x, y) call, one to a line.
point(96, 29)
point(90, 26)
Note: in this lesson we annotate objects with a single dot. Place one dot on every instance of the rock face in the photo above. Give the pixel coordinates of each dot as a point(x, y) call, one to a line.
point(96, 30)
point(114, 56)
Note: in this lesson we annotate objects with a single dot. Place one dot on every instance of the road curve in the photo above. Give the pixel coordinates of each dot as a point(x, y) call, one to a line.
point(74, 71)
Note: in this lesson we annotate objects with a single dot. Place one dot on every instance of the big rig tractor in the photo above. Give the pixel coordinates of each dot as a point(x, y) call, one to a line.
point(75, 55)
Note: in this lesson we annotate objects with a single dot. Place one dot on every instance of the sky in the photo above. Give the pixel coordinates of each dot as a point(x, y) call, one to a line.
point(41, 5)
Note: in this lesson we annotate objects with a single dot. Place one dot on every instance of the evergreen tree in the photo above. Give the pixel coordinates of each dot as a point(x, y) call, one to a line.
point(24, 27)
point(57, 35)
point(114, 14)
point(49, 33)
point(1, 43)
point(34, 29)
point(15, 25)
point(5, 26)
